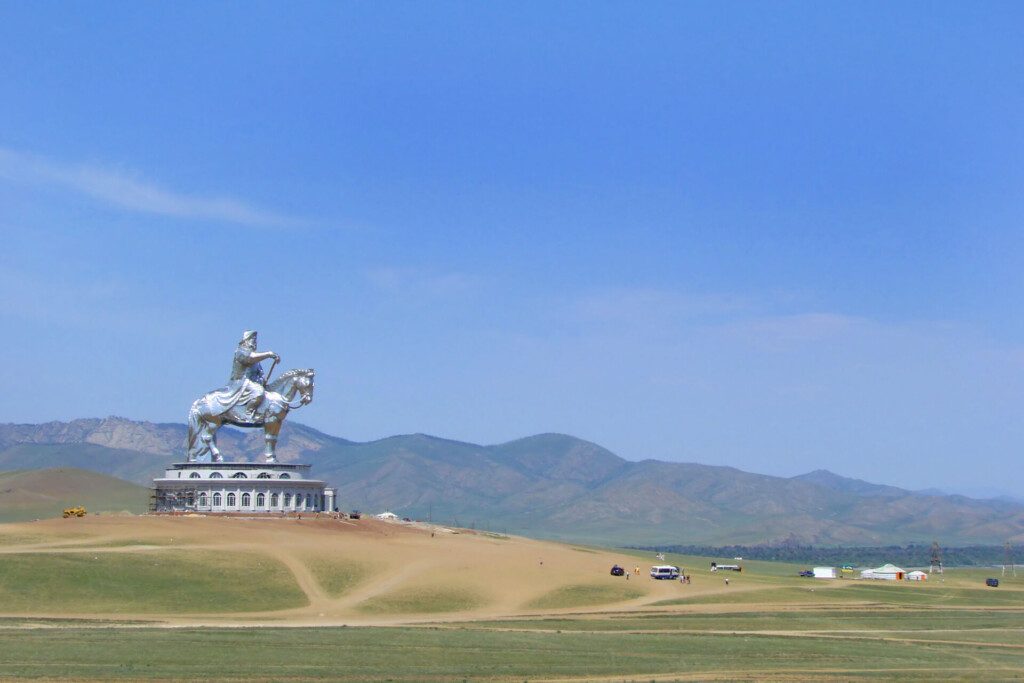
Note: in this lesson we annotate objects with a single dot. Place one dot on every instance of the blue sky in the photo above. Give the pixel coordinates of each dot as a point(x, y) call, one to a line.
point(778, 237)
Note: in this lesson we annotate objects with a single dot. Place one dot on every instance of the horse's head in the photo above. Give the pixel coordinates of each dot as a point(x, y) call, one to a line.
point(294, 382)
point(304, 383)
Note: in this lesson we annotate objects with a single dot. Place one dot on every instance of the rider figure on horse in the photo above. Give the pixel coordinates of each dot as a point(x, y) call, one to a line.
point(248, 400)
point(247, 383)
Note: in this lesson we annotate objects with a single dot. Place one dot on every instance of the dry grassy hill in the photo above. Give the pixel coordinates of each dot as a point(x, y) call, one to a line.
point(192, 570)
point(316, 570)
point(39, 494)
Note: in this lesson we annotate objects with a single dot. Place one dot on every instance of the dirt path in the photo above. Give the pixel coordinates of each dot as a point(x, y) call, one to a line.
point(318, 600)
point(382, 585)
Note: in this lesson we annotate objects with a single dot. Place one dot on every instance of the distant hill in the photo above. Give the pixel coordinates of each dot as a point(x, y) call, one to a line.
point(836, 482)
point(40, 494)
point(550, 485)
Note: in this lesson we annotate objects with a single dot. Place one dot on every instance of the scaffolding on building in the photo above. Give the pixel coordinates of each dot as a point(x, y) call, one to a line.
point(179, 500)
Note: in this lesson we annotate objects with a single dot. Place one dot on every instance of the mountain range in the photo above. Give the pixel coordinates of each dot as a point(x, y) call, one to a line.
point(548, 485)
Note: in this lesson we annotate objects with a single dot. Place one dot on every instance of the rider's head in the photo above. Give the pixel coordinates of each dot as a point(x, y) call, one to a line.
point(248, 339)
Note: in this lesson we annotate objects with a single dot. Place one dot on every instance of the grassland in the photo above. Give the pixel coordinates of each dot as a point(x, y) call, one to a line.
point(422, 600)
point(147, 582)
point(586, 595)
point(335, 576)
point(190, 598)
point(421, 654)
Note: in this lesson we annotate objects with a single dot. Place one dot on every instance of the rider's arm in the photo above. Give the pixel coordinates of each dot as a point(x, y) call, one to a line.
point(257, 356)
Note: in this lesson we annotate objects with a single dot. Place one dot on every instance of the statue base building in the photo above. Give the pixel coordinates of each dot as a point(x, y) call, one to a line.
point(239, 488)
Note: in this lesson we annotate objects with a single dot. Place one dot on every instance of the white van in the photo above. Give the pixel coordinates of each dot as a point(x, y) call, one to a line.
point(664, 571)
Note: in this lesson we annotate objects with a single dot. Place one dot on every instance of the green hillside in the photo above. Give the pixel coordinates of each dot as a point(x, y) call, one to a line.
point(39, 494)
point(550, 485)
point(126, 464)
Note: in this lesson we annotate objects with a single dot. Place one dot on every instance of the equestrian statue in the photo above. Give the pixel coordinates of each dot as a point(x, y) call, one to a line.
point(248, 400)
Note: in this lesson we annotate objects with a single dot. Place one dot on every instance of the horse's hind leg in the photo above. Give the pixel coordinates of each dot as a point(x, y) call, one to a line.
point(209, 438)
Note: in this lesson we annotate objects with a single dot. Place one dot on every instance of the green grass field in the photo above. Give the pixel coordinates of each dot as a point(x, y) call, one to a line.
point(980, 622)
point(145, 582)
point(423, 654)
point(422, 601)
point(336, 576)
point(584, 595)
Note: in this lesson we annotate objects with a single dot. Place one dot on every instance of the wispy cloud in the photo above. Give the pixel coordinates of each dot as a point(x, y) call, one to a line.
point(801, 328)
point(129, 191)
point(635, 304)
point(405, 280)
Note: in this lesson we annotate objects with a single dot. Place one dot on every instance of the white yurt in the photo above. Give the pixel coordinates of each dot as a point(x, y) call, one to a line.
point(917, 575)
point(887, 572)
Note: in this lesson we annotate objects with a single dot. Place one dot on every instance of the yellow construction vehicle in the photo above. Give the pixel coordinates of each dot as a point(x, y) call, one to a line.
point(74, 512)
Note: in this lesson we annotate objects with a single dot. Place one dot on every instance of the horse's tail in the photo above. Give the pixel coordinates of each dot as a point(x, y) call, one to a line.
point(194, 446)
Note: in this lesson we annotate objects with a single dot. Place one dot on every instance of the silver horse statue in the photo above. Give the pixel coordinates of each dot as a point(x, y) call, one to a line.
point(248, 400)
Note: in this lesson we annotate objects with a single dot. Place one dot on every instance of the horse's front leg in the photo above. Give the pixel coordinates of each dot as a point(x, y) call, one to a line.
point(271, 428)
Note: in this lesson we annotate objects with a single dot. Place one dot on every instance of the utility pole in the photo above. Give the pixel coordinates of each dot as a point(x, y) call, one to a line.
point(1008, 559)
point(936, 558)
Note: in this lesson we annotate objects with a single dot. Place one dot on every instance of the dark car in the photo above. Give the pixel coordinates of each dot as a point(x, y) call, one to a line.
point(807, 573)
point(617, 570)
point(355, 514)
point(994, 583)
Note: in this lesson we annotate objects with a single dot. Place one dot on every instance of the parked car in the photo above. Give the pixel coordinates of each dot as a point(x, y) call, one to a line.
point(355, 514)
point(993, 583)
point(807, 573)
point(617, 570)
point(665, 571)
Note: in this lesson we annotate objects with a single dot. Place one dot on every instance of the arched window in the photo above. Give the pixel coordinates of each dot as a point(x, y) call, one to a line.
point(287, 500)
point(246, 500)
point(216, 500)
point(194, 475)
point(263, 475)
point(231, 500)
point(273, 500)
point(261, 500)
point(216, 475)
point(285, 475)
point(239, 475)
point(309, 500)
point(190, 500)
point(202, 500)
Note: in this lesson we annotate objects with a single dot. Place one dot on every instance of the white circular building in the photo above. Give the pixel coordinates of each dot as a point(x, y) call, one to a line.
point(240, 487)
